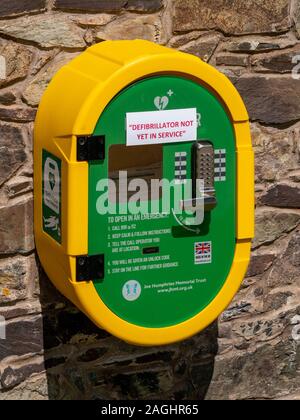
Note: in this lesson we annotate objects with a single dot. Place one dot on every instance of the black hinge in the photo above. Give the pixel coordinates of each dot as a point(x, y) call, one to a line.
point(90, 148)
point(90, 267)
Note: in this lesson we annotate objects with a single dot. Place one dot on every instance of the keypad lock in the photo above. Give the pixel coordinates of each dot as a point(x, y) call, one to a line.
point(203, 178)
point(203, 161)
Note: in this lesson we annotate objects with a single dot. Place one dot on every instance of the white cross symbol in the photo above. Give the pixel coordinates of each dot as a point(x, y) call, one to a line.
point(170, 93)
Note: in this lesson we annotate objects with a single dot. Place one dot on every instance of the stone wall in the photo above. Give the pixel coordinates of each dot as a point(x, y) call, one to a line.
point(52, 350)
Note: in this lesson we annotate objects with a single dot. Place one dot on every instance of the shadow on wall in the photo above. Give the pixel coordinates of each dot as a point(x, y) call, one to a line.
point(84, 362)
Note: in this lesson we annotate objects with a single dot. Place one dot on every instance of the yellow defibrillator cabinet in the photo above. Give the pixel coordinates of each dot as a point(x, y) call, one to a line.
point(122, 117)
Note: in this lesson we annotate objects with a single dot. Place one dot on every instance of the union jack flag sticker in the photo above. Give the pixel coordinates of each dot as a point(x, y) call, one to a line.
point(203, 253)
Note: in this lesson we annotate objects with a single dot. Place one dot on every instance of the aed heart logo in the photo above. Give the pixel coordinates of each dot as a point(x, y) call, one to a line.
point(161, 103)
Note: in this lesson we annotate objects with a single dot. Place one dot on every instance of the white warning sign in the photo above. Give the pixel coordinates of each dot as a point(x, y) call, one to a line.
point(158, 127)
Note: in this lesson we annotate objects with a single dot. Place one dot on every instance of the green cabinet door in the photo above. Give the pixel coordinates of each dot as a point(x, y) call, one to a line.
point(159, 272)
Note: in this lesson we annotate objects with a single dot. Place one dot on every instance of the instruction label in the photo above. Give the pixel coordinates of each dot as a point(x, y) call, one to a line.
point(160, 127)
point(52, 195)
